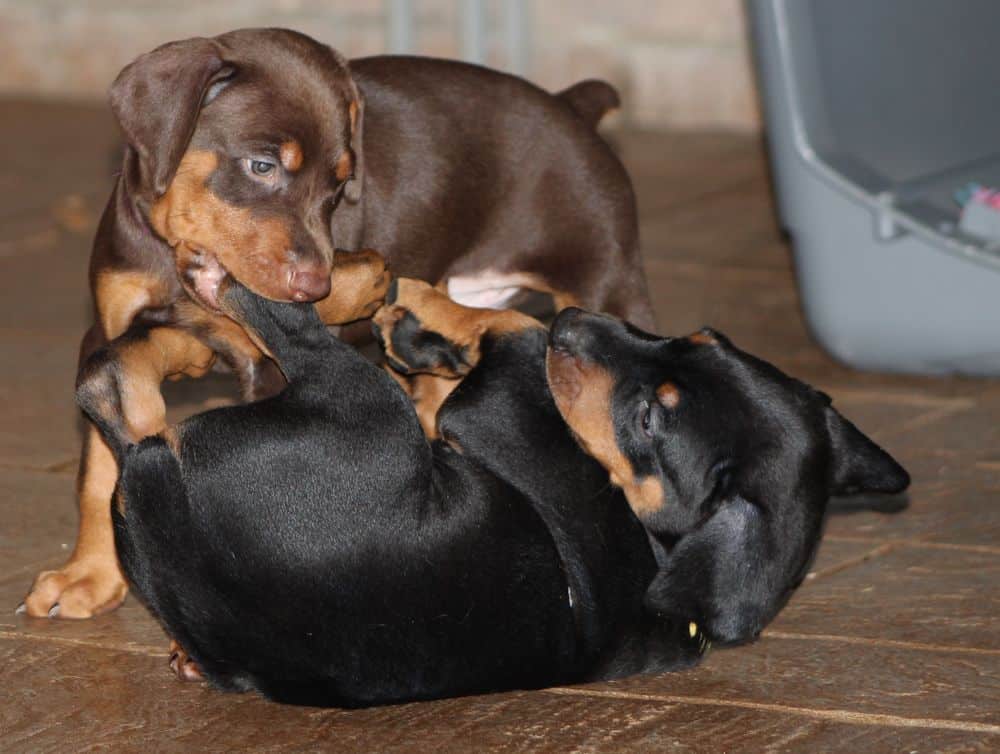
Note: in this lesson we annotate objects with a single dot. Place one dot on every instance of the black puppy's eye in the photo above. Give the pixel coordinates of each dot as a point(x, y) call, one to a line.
point(646, 418)
point(263, 168)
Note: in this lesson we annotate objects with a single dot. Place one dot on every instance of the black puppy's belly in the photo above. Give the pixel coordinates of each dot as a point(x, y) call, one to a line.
point(467, 597)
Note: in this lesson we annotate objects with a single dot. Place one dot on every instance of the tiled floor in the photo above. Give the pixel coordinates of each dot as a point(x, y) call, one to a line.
point(893, 644)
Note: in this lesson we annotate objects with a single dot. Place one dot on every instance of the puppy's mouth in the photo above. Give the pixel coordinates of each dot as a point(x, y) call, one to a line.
point(202, 275)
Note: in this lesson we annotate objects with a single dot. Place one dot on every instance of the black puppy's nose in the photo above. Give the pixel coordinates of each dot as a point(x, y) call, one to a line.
point(564, 333)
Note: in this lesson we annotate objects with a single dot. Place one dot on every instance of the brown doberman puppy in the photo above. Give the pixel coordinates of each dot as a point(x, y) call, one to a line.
point(258, 151)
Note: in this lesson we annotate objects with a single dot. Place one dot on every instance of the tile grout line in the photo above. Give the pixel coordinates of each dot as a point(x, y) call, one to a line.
point(851, 562)
point(921, 420)
point(918, 543)
point(911, 398)
point(66, 466)
point(696, 198)
point(894, 643)
point(132, 650)
point(834, 715)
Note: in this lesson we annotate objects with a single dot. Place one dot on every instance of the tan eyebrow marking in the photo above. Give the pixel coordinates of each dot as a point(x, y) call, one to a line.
point(668, 395)
point(291, 155)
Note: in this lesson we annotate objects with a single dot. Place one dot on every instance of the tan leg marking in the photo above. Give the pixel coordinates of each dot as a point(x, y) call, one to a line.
point(429, 392)
point(582, 392)
point(90, 583)
point(462, 326)
point(120, 295)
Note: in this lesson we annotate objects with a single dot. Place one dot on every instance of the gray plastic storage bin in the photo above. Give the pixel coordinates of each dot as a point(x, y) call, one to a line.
point(877, 111)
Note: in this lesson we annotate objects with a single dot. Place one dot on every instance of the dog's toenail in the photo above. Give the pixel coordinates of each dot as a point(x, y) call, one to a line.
point(21, 609)
point(54, 610)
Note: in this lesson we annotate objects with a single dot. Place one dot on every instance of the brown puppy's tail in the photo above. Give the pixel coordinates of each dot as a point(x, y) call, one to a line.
point(591, 99)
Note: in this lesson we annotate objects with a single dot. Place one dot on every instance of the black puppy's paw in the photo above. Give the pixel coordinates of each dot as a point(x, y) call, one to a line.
point(411, 349)
point(691, 640)
point(422, 331)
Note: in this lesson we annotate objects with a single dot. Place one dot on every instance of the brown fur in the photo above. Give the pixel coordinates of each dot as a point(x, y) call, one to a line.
point(179, 192)
point(249, 248)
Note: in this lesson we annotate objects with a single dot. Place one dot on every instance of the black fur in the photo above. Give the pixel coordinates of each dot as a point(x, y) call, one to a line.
point(748, 459)
point(314, 546)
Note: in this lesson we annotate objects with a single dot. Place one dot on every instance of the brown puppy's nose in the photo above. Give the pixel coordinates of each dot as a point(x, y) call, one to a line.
point(309, 284)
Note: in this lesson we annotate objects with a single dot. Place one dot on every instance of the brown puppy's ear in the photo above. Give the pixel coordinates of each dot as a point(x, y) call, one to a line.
point(352, 190)
point(859, 465)
point(157, 98)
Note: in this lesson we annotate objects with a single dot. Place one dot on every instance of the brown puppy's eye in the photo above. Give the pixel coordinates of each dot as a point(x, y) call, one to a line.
point(262, 168)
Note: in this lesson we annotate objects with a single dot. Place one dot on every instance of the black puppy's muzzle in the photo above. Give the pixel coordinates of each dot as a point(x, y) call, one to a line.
point(585, 334)
point(567, 332)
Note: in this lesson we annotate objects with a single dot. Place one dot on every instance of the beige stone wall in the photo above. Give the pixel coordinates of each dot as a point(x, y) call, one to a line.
point(678, 63)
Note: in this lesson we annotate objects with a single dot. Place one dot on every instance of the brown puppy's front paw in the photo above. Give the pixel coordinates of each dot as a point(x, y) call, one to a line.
point(182, 665)
point(424, 332)
point(358, 286)
point(80, 589)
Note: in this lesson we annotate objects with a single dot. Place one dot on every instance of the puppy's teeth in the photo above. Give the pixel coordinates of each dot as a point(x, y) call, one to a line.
point(692, 629)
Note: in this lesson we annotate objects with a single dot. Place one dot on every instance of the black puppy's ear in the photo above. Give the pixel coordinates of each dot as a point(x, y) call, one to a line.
point(734, 572)
point(156, 100)
point(352, 190)
point(859, 465)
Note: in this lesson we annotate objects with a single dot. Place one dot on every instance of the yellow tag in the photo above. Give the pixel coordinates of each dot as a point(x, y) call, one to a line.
point(692, 629)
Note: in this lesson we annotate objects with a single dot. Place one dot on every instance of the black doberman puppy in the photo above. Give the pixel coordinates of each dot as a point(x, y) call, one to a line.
point(315, 546)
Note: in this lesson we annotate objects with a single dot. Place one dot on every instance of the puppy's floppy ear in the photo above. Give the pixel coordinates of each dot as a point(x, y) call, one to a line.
point(859, 465)
point(352, 191)
point(734, 572)
point(156, 100)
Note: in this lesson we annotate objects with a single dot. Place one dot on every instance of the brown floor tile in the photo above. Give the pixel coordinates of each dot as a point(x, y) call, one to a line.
point(40, 423)
point(946, 597)
point(713, 725)
point(974, 433)
point(668, 170)
point(128, 629)
point(925, 515)
point(51, 295)
point(889, 594)
point(51, 151)
point(133, 703)
point(834, 555)
point(812, 675)
point(38, 511)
